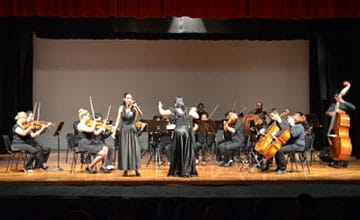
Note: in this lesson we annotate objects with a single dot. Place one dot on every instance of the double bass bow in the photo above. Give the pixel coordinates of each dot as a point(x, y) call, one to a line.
point(339, 140)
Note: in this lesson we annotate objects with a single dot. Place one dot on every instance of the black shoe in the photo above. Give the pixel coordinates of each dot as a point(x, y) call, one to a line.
point(345, 164)
point(44, 167)
point(125, 173)
point(104, 170)
point(137, 173)
point(265, 168)
point(90, 170)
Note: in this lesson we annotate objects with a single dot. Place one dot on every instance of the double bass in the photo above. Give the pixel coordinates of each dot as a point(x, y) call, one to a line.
point(339, 140)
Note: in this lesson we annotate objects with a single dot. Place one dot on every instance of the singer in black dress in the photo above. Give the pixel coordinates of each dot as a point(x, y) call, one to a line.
point(129, 150)
point(183, 160)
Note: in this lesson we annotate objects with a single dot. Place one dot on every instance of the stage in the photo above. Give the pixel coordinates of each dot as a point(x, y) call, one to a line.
point(322, 181)
point(236, 193)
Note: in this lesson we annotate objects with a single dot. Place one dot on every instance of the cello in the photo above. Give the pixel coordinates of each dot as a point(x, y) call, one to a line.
point(268, 145)
point(340, 142)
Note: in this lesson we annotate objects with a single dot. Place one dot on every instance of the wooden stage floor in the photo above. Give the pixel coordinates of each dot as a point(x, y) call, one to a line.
point(321, 181)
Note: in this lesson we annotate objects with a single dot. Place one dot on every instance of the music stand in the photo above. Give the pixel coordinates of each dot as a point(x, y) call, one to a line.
point(57, 133)
point(207, 126)
point(158, 127)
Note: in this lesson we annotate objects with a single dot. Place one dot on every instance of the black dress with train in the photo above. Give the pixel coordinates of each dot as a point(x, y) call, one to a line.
point(183, 159)
point(129, 146)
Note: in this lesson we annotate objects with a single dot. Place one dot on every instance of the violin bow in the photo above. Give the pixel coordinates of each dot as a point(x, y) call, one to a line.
point(234, 105)
point(38, 113)
point(92, 108)
point(213, 111)
point(108, 113)
point(243, 109)
point(34, 111)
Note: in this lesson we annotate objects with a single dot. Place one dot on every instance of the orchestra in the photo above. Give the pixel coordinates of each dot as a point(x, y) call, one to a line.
point(259, 134)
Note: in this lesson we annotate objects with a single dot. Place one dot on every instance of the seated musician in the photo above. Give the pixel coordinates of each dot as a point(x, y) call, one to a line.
point(204, 140)
point(23, 133)
point(296, 143)
point(282, 124)
point(234, 134)
point(100, 138)
point(45, 150)
point(87, 130)
point(256, 119)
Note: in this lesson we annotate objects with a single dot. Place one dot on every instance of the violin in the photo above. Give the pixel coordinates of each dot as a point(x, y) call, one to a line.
point(99, 124)
point(37, 124)
point(230, 122)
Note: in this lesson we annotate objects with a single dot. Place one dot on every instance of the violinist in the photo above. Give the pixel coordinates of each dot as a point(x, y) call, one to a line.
point(344, 106)
point(43, 126)
point(100, 138)
point(234, 138)
point(296, 143)
point(281, 122)
point(22, 135)
point(129, 144)
point(87, 130)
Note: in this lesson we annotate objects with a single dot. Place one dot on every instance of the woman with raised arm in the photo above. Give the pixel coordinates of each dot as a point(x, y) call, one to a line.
point(129, 145)
point(183, 159)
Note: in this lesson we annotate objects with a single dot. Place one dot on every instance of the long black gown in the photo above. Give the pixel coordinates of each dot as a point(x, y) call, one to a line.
point(183, 160)
point(129, 147)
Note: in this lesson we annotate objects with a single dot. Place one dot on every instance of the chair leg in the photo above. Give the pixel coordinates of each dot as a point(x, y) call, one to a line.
point(10, 162)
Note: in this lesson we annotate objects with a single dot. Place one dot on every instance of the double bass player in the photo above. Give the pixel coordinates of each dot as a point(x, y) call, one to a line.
point(336, 109)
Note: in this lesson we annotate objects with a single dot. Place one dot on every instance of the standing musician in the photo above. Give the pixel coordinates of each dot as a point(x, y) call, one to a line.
point(281, 122)
point(129, 146)
point(343, 107)
point(87, 143)
point(23, 134)
point(296, 143)
point(234, 138)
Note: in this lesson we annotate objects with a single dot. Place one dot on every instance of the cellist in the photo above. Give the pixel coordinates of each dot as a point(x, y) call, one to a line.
point(282, 123)
point(345, 107)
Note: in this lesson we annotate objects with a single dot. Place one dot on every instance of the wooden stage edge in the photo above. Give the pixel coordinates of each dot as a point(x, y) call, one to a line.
point(213, 181)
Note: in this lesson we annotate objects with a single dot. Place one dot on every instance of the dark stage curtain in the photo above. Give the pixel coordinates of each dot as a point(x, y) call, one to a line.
point(15, 74)
point(214, 9)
